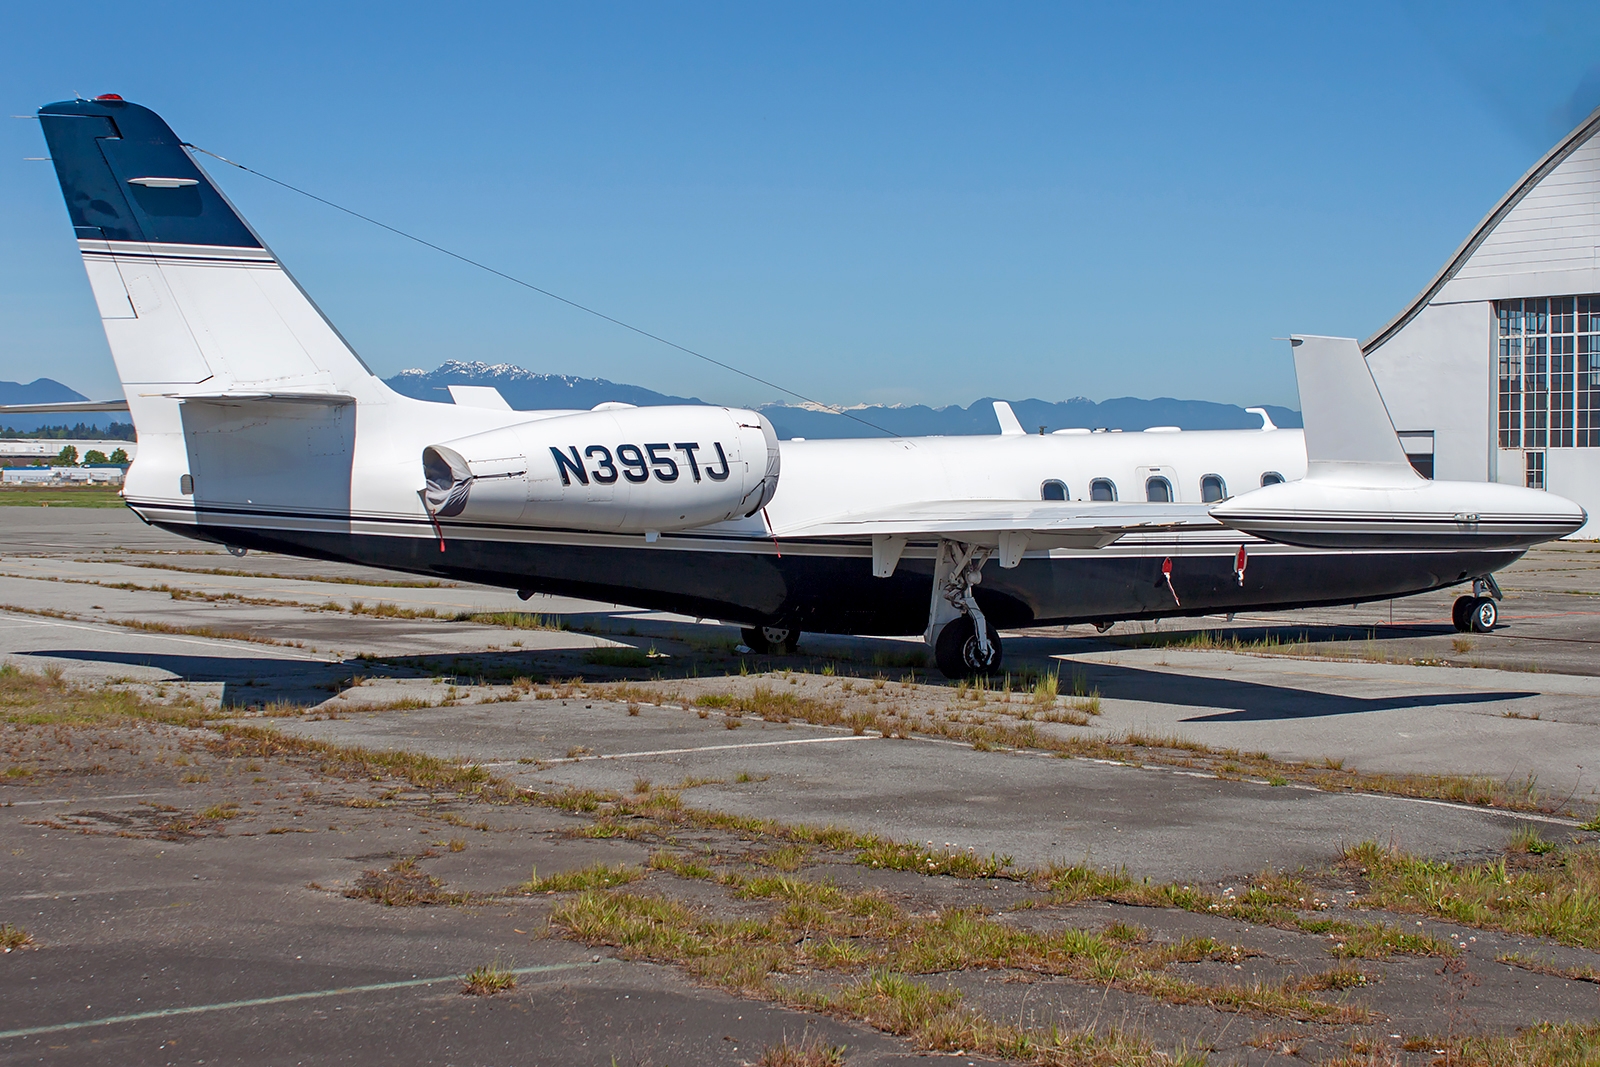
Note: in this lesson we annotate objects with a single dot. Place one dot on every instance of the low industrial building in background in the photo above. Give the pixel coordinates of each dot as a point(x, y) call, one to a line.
point(97, 474)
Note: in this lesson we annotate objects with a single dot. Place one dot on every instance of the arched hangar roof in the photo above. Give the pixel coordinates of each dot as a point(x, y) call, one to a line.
point(1541, 170)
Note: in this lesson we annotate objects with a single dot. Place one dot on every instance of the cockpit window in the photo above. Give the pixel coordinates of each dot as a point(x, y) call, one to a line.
point(1102, 489)
point(1213, 488)
point(1271, 478)
point(1158, 490)
point(1053, 490)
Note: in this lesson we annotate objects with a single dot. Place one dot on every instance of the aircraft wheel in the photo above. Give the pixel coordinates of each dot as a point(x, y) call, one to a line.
point(1485, 613)
point(957, 651)
point(771, 640)
point(1461, 613)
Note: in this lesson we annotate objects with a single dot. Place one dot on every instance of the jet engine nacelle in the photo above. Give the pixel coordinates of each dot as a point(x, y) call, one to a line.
point(1417, 514)
point(616, 469)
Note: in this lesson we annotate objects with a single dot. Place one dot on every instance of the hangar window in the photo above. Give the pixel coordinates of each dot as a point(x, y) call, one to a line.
point(1213, 488)
point(1548, 372)
point(1271, 478)
point(1102, 489)
point(1533, 470)
point(1588, 372)
point(1158, 490)
point(1053, 490)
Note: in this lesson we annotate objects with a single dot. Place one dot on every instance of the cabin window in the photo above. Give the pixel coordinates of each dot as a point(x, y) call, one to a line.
point(1053, 490)
point(1158, 490)
point(1271, 478)
point(1102, 489)
point(1213, 488)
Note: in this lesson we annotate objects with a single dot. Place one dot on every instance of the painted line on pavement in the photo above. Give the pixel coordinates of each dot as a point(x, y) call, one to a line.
point(686, 751)
point(76, 800)
point(125, 631)
point(257, 1002)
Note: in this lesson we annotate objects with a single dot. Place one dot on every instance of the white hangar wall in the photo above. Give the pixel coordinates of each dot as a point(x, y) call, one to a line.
point(1496, 364)
point(1435, 375)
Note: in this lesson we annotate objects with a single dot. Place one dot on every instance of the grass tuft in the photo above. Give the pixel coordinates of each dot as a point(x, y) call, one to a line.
point(402, 885)
point(1554, 892)
point(810, 1052)
point(487, 980)
point(594, 876)
point(14, 937)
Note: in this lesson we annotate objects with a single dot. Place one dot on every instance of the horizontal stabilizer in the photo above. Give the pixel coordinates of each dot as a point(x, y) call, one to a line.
point(67, 407)
point(235, 397)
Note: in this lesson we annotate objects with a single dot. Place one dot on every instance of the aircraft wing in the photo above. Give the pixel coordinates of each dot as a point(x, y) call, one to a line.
point(1012, 526)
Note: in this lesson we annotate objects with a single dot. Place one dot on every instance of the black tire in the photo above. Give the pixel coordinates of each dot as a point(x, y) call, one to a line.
point(771, 640)
point(1461, 613)
point(957, 651)
point(1485, 613)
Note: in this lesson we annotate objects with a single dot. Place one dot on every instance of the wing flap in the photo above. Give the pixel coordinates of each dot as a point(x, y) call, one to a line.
point(1012, 526)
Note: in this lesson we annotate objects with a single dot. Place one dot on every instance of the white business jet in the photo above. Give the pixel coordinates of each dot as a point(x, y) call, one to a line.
point(259, 427)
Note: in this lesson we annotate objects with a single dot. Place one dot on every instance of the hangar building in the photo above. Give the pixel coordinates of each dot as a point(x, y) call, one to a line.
point(1493, 372)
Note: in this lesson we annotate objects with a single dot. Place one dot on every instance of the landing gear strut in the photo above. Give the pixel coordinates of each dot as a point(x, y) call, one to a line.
point(1479, 612)
point(964, 643)
point(771, 640)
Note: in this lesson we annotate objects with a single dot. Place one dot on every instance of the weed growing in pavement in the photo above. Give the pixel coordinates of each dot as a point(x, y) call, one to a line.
point(1538, 966)
point(14, 937)
point(402, 885)
point(426, 772)
point(982, 722)
point(821, 926)
point(594, 876)
point(1554, 893)
point(809, 1052)
point(49, 700)
point(674, 863)
point(489, 979)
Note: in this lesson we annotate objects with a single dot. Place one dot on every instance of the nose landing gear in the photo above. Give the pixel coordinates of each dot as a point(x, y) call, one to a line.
point(1478, 613)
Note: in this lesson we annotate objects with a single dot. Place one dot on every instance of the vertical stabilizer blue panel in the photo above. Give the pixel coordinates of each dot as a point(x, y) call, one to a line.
point(126, 177)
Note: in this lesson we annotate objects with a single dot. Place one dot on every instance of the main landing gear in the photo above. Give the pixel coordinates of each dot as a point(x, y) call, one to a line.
point(964, 643)
point(1478, 613)
point(771, 640)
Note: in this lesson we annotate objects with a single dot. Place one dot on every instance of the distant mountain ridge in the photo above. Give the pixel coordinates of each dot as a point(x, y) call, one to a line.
point(526, 390)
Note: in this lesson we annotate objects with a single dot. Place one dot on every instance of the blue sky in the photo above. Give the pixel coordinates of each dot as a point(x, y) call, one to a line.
point(918, 203)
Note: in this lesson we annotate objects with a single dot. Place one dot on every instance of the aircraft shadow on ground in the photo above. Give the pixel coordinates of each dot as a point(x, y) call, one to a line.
point(1257, 701)
point(1314, 634)
point(1244, 701)
point(270, 678)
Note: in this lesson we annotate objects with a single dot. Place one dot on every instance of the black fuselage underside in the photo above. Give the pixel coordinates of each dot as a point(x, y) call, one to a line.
point(837, 593)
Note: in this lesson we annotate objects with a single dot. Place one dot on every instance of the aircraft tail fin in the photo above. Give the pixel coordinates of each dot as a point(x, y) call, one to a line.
point(187, 292)
point(1349, 435)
